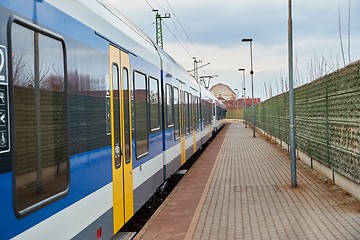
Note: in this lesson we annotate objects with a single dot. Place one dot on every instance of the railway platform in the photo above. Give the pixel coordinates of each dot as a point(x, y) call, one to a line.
point(240, 188)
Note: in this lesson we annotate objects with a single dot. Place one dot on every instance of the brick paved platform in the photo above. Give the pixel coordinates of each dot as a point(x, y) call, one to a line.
point(240, 189)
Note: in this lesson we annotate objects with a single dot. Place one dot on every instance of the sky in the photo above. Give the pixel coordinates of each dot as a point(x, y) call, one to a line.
point(211, 31)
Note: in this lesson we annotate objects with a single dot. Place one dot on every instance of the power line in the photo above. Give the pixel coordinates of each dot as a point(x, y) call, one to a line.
point(187, 36)
point(175, 23)
point(114, 11)
point(186, 48)
point(159, 6)
point(177, 40)
point(149, 4)
point(146, 27)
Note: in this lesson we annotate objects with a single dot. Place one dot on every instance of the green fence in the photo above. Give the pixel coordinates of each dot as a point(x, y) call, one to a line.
point(234, 114)
point(327, 119)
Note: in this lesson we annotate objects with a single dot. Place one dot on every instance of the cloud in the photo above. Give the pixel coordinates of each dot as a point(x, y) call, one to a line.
point(217, 27)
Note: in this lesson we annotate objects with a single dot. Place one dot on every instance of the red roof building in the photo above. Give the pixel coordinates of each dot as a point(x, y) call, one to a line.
point(228, 96)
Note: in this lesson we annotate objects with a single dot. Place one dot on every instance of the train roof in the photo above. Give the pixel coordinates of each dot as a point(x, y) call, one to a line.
point(110, 24)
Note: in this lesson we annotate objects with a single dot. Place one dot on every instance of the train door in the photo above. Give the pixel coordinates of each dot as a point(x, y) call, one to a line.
point(120, 112)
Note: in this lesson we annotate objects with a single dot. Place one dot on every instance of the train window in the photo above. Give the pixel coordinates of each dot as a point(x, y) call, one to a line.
point(176, 113)
point(169, 106)
point(41, 161)
point(186, 113)
point(210, 112)
point(195, 110)
point(191, 120)
point(191, 107)
point(141, 114)
point(126, 113)
point(116, 106)
point(190, 112)
point(213, 112)
point(207, 113)
point(182, 112)
point(198, 103)
point(154, 104)
point(204, 110)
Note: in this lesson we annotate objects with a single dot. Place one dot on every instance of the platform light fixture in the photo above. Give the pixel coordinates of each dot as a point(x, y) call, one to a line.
point(237, 94)
point(244, 94)
point(252, 83)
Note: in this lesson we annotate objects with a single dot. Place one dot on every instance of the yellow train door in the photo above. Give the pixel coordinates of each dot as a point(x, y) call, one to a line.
point(120, 112)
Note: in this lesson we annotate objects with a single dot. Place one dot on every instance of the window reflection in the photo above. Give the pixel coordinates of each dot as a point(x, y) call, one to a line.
point(169, 105)
point(126, 115)
point(176, 113)
point(154, 104)
point(39, 97)
point(141, 114)
point(116, 106)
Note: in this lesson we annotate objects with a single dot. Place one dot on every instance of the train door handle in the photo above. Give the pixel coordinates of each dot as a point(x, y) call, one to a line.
point(118, 151)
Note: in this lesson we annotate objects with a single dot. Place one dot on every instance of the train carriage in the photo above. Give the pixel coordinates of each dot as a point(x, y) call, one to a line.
point(94, 118)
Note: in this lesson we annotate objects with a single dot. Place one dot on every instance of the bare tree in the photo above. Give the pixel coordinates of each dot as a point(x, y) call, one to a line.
point(349, 48)
point(22, 75)
point(43, 72)
point(270, 90)
point(297, 74)
point(310, 71)
point(341, 42)
point(266, 94)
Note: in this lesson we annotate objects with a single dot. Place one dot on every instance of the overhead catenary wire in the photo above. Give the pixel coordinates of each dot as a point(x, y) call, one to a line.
point(176, 28)
point(177, 39)
point(149, 4)
point(113, 10)
point(181, 36)
point(159, 6)
point(187, 36)
point(146, 27)
point(183, 43)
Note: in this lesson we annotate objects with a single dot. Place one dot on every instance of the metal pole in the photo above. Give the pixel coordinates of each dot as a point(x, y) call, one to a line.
point(237, 97)
point(252, 82)
point(244, 99)
point(195, 69)
point(237, 109)
point(243, 102)
point(158, 27)
point(252, 90)
point(291, 101)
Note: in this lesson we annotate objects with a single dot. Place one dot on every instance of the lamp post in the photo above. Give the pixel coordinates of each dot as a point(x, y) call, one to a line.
point(244, 94)
point(236, 99)
point(252, 83)
point(291, 101)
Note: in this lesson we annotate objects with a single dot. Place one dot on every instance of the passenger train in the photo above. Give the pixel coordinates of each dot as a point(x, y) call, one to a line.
point(94, 117)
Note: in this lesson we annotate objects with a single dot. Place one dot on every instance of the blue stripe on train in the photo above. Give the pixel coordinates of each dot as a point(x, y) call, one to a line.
point(88, 172)
point(57, 21)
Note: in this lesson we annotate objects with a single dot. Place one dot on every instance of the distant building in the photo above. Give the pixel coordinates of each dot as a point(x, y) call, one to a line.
point(223, 92)
point(228, 96)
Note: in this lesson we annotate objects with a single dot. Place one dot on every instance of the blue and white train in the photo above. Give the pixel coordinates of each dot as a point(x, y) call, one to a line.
point(94, 117)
